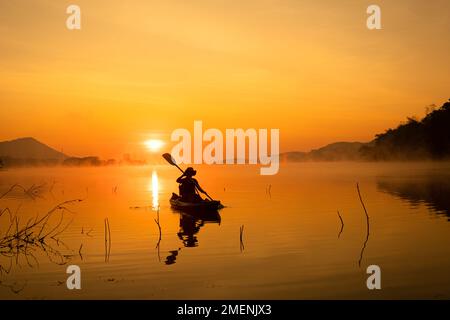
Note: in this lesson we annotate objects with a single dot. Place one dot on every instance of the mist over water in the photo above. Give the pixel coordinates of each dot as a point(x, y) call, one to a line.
point(291, 243)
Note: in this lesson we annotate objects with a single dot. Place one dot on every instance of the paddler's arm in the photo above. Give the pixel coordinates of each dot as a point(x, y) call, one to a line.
point(180, 179)
point(198, 187)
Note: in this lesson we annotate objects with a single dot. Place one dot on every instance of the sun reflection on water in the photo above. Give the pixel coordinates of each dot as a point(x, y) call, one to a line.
point(155, 191)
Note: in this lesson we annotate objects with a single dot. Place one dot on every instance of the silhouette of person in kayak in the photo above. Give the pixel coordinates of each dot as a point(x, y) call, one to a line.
point(189, 186)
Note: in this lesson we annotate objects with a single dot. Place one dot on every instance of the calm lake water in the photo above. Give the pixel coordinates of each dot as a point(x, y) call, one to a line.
point(291, 247)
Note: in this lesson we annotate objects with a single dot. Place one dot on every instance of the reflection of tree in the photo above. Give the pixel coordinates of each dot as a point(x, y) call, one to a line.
point(433, 191)
point(190, 225)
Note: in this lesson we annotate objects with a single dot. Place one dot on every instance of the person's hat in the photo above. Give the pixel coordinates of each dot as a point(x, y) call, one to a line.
point(190, 172)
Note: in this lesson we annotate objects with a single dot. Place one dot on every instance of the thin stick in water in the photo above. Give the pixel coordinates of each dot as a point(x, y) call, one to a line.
point(160, 234)
point(342, 224)
point(109, 239)
point(241, 235)
point(79, 251)
point(367, 225)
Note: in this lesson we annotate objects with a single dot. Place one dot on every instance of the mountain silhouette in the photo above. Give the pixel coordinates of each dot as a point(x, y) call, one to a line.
point(338, 151)
point(29, 148)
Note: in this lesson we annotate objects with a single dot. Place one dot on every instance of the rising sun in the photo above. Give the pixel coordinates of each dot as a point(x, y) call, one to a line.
point(154, 145)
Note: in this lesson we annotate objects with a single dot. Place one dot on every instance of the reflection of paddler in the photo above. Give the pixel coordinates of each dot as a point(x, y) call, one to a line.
point(189, 227)
point(171, 259)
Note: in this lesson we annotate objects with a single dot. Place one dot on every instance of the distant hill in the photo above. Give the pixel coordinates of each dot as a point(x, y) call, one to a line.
point(28, 148)
point(338, 151)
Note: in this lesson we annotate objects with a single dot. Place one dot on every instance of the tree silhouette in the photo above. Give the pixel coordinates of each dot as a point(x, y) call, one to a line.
point(427, 138)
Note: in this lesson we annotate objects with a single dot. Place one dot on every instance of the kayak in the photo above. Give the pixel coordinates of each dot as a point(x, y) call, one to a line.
point(204, 205)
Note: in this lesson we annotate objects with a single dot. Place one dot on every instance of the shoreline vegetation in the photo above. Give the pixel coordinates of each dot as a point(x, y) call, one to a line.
point(7, 162)
point(414, 140)
point(22, 240)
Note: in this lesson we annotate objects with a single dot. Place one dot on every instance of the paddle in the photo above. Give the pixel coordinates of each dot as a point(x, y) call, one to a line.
point(171, 161)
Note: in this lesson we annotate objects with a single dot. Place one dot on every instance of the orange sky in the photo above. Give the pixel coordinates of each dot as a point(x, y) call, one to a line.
point(139, 69)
